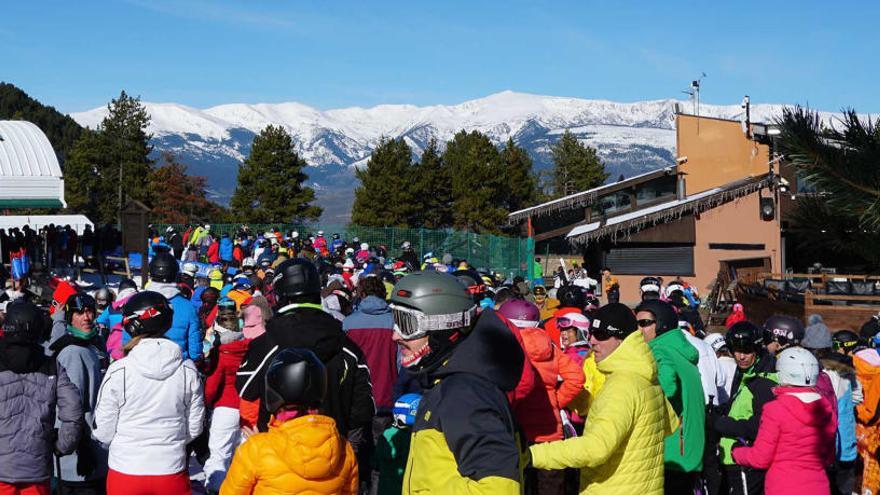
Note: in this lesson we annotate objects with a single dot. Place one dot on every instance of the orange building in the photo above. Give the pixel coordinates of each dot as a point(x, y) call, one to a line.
point(719, 203)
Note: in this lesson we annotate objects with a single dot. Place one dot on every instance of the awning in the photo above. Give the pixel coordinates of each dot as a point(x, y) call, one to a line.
point(9, 204)
point(30, 176)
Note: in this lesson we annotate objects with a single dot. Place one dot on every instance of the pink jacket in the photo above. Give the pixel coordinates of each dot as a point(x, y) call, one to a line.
point(795, 443)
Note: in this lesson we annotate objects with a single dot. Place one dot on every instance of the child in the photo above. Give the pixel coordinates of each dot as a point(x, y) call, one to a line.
point(302, 452)
point(32, 387)
point(393, 446)
point(574, 335)
point(795, 441)
point(150, 405)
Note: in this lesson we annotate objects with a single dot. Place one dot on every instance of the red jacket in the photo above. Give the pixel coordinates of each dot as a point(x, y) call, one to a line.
point(795, 442)
point(220, 385)
point(214, 252)
point(541, 422)
point(529, 385)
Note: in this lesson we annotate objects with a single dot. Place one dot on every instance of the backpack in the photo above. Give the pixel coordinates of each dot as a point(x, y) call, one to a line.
point(867, 365)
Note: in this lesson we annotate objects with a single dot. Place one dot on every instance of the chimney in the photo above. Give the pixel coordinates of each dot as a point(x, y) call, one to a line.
point(680, 192)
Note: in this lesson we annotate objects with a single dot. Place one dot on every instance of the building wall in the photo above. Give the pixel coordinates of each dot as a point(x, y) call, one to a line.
point(736, 222)
point(717, 152)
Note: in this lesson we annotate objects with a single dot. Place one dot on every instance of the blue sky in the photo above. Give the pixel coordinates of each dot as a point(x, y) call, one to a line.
point(77, 55)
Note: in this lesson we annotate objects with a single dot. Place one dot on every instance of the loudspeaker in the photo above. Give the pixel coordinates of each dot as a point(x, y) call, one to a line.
point(768, 209)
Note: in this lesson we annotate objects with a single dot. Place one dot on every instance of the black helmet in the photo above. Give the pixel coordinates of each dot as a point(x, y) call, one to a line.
point(294, 377)
point(473, 282)
point(164, 268)
point(127, 283)
point(744, 336)
point(665, 316)
point(571, 296)
point(147, 313)
point(297, 277)
point(78, 303)
point(784, 329)
point(846, 340)
point(24, 322)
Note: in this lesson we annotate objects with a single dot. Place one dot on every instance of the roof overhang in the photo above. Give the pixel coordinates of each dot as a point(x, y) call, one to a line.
point(30, 176)
point(629, 223)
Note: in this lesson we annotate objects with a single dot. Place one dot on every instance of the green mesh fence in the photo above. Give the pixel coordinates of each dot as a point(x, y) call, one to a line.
point(510, 256)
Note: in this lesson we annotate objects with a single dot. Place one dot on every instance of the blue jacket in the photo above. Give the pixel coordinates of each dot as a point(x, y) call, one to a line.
point(226, 248)
point(109, 317)
point(197, 297)
point(372, 312)
point(184, 329)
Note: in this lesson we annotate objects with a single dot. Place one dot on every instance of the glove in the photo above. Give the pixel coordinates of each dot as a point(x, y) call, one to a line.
point(85, 459)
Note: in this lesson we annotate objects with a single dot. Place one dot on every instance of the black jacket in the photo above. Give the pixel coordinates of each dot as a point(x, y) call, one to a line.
point(349, 398)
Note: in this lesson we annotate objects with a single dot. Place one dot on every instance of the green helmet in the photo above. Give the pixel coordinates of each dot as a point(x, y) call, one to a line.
point(429, 301)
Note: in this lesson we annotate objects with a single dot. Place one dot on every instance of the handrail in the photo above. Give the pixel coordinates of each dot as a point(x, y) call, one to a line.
point(822, 276)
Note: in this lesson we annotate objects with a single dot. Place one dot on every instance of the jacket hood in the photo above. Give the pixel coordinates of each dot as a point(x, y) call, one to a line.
point(311, 328)
point(675, 341)
point(490, 351)
point(236, 347)
point(122, 298)
point(309, 446)
point(538, 345)
point(166, 289)
point(804, 404)
point(632, 356)
point(156, 359)
point(373, 305)
point(21, 357)
point(253, 321)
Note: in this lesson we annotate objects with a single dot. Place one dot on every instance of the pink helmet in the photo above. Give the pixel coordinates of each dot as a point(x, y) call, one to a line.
point(521, 313)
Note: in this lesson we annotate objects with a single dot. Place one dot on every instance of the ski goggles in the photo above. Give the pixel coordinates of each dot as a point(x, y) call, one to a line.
point(845, 345)
point(78, 303)
point(743, 343)
point(564, 322)
point(412, 324)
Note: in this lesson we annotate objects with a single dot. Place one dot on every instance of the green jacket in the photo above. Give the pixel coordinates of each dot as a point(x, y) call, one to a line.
point(742, 421)
point(680, 380)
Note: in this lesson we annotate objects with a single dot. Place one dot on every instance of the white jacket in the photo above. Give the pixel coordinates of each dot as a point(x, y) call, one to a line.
point(150, 406)
point(711, 372)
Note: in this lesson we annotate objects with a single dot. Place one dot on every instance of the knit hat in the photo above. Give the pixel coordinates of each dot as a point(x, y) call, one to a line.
point(614, 319)
point(817, 336)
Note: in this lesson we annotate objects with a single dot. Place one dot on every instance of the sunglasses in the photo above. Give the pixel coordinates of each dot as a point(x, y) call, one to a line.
point(646, 323)
point(601, 335)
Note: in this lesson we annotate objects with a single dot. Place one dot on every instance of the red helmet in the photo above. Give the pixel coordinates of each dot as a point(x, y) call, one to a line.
point(521, 313)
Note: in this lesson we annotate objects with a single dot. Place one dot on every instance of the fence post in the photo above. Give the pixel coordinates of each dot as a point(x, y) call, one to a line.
point(421, 243)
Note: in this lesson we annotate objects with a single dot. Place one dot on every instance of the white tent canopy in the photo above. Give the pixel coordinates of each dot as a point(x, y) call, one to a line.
point(36, 222)
point(30, 176)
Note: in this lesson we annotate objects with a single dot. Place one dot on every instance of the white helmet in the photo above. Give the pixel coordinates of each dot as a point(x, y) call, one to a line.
point(190, 268)
point(406, 245)
point(797, 366)
point(364, 246)
point(320, 233)
point(248, 262)
point(294, 235)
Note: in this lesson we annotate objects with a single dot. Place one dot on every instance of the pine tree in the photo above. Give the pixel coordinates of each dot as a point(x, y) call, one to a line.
point(82, 180)
point(433, 191)
point(124, 172)
point(386, 196)
point(270, 182)
point(577, 167)
point(176, 197)
point(521, 182)
point(477, 179)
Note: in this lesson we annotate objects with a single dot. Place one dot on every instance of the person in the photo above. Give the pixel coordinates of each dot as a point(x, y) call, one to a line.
point(621, 448)
point(222, 398)
point(242, 290)
point(537, 272)
point(571, 300)
point(752, 388)
point(300, 322)
point(795, 441)
point(866, 363)
point(371, 328)
point(464, 438)
point(547, 305)
point(392, 449)
point(681, 383)
point(650, 288)
point(845, 342)
point(574, 331)
point(839, 368)
point(185, 330)
point(77, 351)
point(782, 332)
point(609, 281)
point(303, 451)
point(42, 409)
point(737, 315)
point(725, 360)
point(111, 318)
point(562, 379)
point(225, 248)
point(150, 405)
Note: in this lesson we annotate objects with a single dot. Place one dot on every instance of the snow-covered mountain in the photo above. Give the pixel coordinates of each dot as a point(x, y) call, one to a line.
point(630, 137)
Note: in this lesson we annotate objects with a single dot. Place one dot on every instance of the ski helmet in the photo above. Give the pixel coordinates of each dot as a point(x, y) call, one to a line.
point(405, 410)
point(578, 322)
point(24, 322)
point(103, 297)
point(473, 282)
point(744, 336)
point(665, 316)
point(716, 341)
point(426, 302)
point(783, 329)
point(297, 277)
point(77, 303)
point(294, 377)
point(797, 366)
point(127, 283)
point(521, 313)
point(571, 296)
point(164, 268)
point(190, 269)
point(147, 313)
point(650, 287)
point(846, 340)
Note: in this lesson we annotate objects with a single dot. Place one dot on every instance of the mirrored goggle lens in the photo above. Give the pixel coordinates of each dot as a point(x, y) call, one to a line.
point(406, 323)
point(412, 324)
point(743, 345)
point(601, 335)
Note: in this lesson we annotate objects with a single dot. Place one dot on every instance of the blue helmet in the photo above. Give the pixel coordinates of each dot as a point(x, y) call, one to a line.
point(405, 409)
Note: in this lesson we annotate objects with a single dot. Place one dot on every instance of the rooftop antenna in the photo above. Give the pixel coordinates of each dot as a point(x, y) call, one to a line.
point(694, 92)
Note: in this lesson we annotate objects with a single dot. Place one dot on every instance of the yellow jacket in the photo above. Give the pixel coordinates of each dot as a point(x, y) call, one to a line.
point(621, 449)
point(593, 382)
point(302, 455)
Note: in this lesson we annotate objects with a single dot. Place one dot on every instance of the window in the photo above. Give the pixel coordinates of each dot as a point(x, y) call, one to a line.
point(661, 188)
point(612, 204)
point(666, 260)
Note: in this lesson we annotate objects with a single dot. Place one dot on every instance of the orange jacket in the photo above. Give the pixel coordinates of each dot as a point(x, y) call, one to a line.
point(302, 455)
point(552, 364)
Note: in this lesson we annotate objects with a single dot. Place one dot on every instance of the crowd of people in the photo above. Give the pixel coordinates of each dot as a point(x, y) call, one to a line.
point(280, 363)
